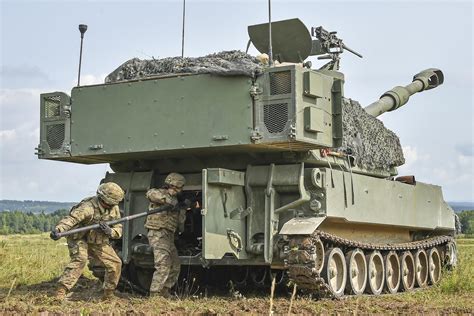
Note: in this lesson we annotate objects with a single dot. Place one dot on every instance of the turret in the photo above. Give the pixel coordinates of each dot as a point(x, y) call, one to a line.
point(398, 96)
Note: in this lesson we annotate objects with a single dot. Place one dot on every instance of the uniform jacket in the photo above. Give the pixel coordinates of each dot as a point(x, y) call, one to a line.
point(164, 220)
point(89, 212)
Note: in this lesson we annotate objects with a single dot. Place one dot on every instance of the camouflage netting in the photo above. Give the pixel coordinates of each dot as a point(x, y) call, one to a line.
point(227, 63)
point(368, 140)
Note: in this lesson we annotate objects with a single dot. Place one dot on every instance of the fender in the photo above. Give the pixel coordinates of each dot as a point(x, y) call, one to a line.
point(301, 225)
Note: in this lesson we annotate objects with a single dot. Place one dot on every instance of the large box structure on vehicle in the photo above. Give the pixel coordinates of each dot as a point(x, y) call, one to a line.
point(283, 109)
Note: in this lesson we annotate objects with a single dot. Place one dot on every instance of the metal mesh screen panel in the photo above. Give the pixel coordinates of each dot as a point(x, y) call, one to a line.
point(280, 82)
point(55, 136)
point(275, 117)
point(52, 106)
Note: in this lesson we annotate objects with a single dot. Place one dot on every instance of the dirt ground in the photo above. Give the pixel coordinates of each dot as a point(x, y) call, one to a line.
point(30, 266)
point(85, 300)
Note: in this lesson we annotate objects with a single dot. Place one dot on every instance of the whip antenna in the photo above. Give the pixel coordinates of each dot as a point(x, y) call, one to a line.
point(182, 36)
point(270, 53)
point(82, 29)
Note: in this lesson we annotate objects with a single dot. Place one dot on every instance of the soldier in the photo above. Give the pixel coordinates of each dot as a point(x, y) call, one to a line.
point(94, 243)
point(161, 229)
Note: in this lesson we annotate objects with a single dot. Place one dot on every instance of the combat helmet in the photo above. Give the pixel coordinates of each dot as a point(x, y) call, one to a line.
point(175, 179)
point(111, 193)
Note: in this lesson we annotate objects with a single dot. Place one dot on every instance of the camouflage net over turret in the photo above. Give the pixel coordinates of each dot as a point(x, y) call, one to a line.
point(366, 138)
point(227, 63)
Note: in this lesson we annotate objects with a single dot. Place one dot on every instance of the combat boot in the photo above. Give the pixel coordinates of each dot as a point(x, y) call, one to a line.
point(165, 292)
point(61, 292)
point(108, 294)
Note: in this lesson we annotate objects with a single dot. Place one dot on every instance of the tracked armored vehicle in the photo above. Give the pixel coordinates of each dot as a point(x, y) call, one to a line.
point(294, 181)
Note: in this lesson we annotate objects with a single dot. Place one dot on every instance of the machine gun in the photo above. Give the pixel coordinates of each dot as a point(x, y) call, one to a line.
point(330, 45)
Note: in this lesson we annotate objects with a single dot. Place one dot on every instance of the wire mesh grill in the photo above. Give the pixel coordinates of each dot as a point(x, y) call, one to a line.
point(52, 106)
point(55, 136)
point(280, 82)
point(275, 117)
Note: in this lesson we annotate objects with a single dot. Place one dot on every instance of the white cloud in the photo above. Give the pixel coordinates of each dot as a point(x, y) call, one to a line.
point(35, 133)
point(446, 167)
point(19, 107)
point(7, 135)
point(90, 79)
point(19, 131)
point(412, 156)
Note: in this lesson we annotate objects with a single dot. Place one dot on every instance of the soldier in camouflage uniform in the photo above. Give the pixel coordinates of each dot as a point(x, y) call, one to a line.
point(94, 243)
point(161, 229)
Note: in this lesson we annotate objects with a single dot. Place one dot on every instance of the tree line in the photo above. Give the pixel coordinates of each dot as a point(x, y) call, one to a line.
point(32, 206)
point(18, 222)
point(467, 222)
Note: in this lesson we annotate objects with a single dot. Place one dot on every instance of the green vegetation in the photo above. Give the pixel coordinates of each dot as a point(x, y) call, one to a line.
point(467, 222)
point(18, 222)
point(34, 206)
point(30, 265)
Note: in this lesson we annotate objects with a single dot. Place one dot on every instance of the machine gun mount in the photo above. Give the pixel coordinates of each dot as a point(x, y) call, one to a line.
point(330, 45)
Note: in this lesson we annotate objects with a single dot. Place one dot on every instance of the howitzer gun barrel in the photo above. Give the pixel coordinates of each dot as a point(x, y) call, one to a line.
point(115, 221)
point(399, 96)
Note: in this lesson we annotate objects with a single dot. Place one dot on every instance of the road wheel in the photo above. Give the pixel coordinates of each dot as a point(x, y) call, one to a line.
point(356, 272)
point(421, 268)
point(407, 271)
point(319, 249)
point(334, 271)
point(375, 273)
point(434, 261)
point(451, 258)
point(392, 272)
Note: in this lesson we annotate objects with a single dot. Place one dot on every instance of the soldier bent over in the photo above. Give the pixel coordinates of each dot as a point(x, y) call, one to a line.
point(161, 229)
point(94, 243)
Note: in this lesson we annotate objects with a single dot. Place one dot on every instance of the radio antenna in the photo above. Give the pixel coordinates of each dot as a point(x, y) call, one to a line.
point(182, 36)
point(270, 52)
point(82, 29)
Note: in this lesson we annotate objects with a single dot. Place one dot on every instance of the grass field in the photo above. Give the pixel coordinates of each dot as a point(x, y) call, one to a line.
point(30, 265)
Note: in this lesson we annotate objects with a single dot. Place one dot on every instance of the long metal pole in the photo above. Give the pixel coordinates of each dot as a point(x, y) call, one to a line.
point(80, 62)
point(115, 221)
point(82, 29)
point(182, 37)
point(270, 52)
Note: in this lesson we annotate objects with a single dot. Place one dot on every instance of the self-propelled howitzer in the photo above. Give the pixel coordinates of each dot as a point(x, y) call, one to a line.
point(293, 179)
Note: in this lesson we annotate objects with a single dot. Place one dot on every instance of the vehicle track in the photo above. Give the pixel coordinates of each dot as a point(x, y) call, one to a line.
point(305, 263)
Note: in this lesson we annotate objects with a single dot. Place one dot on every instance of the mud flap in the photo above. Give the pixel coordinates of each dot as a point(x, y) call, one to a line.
point(301, 226)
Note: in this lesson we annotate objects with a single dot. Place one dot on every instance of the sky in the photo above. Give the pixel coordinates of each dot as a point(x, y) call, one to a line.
point(40, 49)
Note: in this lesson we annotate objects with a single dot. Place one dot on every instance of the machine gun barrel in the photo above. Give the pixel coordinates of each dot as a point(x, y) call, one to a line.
point(351, 50)
point(115, 221)
point(398, 96)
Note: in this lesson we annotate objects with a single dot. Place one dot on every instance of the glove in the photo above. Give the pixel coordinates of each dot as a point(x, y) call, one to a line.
point(105, 228)
point(185, 204)
point(54, 234)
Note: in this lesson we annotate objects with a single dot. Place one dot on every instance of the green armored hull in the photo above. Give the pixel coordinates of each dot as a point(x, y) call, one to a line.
point(284, 189)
